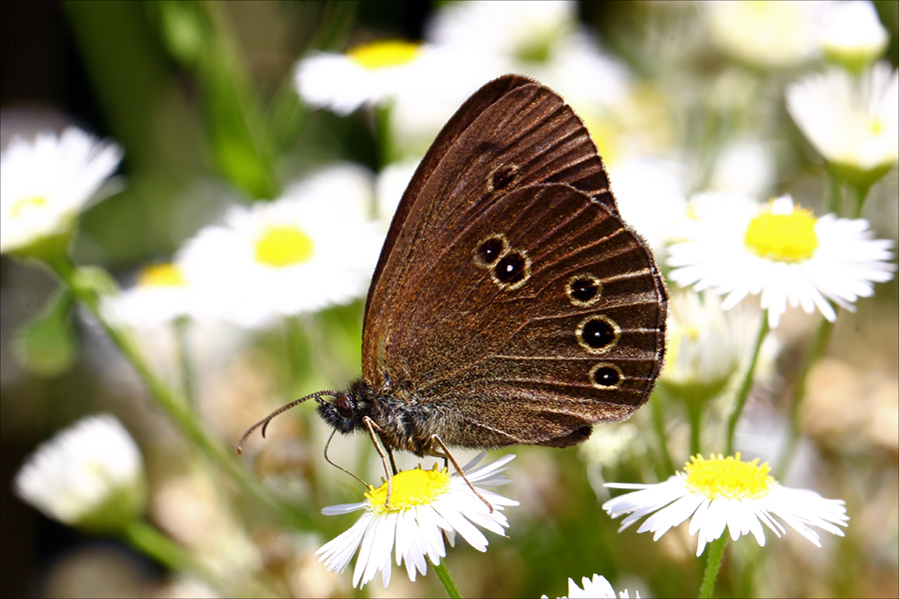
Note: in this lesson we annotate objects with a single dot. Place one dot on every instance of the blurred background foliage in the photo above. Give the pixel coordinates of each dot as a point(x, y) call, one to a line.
point(200, 95)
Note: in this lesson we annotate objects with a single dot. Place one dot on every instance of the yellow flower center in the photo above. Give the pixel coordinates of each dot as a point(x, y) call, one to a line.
point(728, 477)
point(28, 203)
point(283, 245)
point(875, 125)
point(161, 275)
point(387, 53)
point(782, 237)
point(410, 488)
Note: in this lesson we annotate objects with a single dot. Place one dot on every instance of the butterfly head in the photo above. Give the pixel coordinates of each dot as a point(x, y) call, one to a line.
point(345, 411)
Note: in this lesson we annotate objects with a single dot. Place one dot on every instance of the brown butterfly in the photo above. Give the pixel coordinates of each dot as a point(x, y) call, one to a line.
point(511, 304)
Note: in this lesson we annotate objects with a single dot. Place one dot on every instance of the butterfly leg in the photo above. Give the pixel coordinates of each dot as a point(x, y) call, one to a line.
point(327, 459)
point(386, 455)
point(447, 455)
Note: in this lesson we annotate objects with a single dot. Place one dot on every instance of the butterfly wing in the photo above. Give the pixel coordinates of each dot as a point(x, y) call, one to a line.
point(482, 305)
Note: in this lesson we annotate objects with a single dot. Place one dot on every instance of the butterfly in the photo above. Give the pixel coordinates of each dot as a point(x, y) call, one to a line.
point(511, 304)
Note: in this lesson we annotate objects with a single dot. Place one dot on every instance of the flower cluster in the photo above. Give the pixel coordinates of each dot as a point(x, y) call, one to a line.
point(752, 145)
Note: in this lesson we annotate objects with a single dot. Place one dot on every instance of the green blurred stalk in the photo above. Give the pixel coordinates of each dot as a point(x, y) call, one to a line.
point(82, 283)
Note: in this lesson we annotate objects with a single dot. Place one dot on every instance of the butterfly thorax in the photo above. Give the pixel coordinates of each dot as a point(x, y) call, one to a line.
point(401, 424)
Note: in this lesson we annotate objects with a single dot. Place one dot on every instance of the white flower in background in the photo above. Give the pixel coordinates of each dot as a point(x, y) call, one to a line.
point(651, 197)
point(721, 493)
point(160, 294)
point(514, 32)
point(744, 166)
point(425, 506)
point(775, 34)
point(543, 40)
point(736, 247)
point(47, 181)
point(852, 34)
point(706, 344)
point(89, 476)
point(390, 186)
point(852, 122)
point(314, 247)
point(595, 588)
point(366, 75)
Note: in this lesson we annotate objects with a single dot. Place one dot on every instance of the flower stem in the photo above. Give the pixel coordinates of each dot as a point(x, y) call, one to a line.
point(712, 566)
point(861, 194)
point(819, 346)
point(835, 195)
point(171, 402)
point(155, 545)
point(746, 385)
point(658, 421)
point(694, 414)
point(185, 363)
point(447, 579)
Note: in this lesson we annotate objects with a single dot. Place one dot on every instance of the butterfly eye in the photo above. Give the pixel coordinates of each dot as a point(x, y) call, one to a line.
point(605, 376)
point(596, 334)
point(490, 250)
point(502, 177)
point(344, 406)
point(512, 270)
point(583, 290)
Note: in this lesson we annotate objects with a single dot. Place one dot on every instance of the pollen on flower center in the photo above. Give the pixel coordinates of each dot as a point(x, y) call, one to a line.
point(283, 245)
point(410, 488)
point(161, 275)
point(388, 53)
point(782, 237)
point(28, 203)
point(728, 477)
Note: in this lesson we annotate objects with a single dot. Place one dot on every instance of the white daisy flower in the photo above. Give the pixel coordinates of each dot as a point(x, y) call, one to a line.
point(425, 506)
point(852, 122)
point(314, 247)
point(706, 344)
point(89, 475)
point(721, 493)
point(542, 40)
point(775, 34)
point(47, 181)
point(391, 184)
point(651, 196)
point(160, 294)
point(596, 587)
point(737, 247)
point(366, 75)
point(852, 34)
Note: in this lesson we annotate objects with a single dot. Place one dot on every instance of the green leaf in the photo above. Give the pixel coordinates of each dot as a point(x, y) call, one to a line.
point(46, 345)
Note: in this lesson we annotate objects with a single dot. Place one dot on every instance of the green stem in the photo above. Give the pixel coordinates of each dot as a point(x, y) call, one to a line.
point(152, 543)
point(185, 363)
point(172, 403)
point(746, 385)
point(694, 414)
point(835, 195)
point(861, 194)
point(819, 346)
point(447, 579)
point(658, 421)
point(713, 565)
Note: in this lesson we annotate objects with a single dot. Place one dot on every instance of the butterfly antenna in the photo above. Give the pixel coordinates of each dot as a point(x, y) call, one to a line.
point(264, 422)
